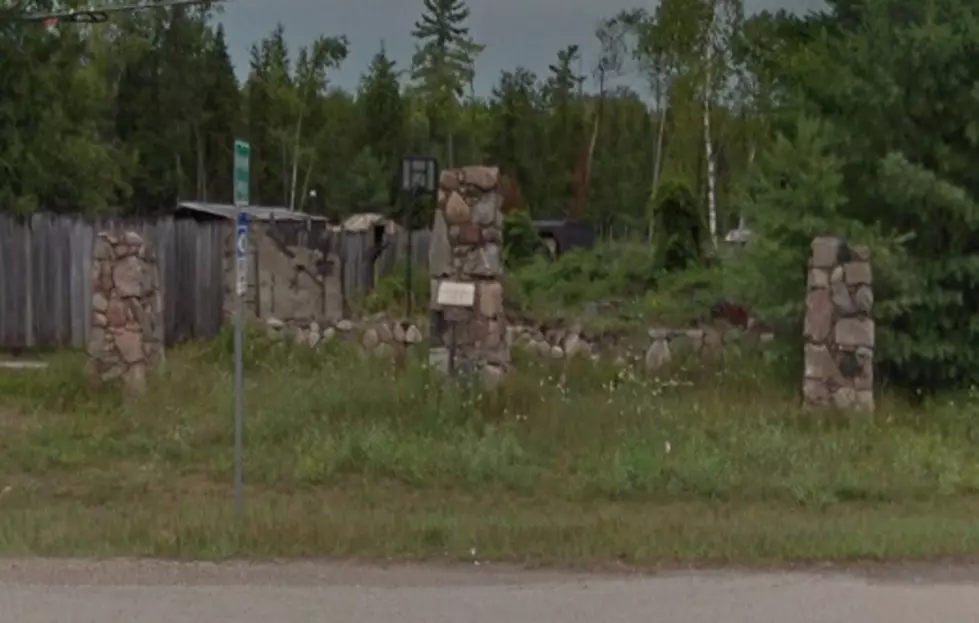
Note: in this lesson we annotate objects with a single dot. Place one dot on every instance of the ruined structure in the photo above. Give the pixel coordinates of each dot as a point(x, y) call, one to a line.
point(466, 264)
point(839, 330)
point(290, 278)
point(126, 339)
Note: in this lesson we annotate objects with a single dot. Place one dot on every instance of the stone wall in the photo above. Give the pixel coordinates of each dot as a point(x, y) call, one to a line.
point(467, 246)
point(376, 335)
point(126, 340)
point(839, 330)
point(290, 282)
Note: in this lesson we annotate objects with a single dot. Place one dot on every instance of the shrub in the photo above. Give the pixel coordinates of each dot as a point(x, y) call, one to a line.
point(679, 231)
point(521, 241)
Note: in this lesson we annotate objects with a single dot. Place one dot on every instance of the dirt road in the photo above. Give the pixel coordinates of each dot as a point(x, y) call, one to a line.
point(54, 591)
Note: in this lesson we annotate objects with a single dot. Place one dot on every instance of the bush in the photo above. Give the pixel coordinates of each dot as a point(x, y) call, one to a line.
point(607, 272)
point(521, 240)
point(679, 231)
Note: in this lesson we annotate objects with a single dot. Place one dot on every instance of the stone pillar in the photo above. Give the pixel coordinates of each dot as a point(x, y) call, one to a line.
point(467, 247)
point(126, 337)
point(839, 330)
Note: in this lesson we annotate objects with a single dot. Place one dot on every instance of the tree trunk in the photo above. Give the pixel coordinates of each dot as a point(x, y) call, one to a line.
point(295, 163)
point(711, 174)
point(657, 164)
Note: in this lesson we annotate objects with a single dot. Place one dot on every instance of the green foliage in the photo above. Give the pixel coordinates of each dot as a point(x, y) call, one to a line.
point(521, 241)
point(679, 232)
point(608, 272)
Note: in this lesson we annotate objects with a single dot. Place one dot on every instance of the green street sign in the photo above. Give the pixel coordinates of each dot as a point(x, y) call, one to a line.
point(242, 173)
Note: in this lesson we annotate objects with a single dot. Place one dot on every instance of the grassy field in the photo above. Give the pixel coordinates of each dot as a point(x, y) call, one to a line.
point(571, 463)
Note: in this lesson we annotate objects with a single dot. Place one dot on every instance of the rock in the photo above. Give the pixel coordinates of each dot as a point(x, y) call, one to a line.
point(399, 332)
point(863, 299)
point(660, 334)
point(857, 273)
point(824, 252)
point(483, 178)
point(492, 376)
point(815, 393)
point(329, 333)
point(314, 327)
point(439, 249)
point(490, 298)
point(819, 315)
point(557, 352)
point(853, 332)
point(345, 325)
point(438, 360)
point(99, 302)
point(383, 350)
point(572, 345)
point(116, 314)
point(844, 398)
point(132, 239)
point(134, 378)
point(658, 354)
point(466, 233)
point(413, 335)
point(543, 348)
point(837, 275)
point(127, 275)
point(485, 261)
point(300, 337)
point(384, 333)
point(313, 338)
point(99, 320)
point(130, 346)
point(860, 253)
point(457, 211)
point(819, 364)
point(841, 299)
point(449, 181)
point(370, 339)
point(492, 234)
point(818, 278)
point(484, 211)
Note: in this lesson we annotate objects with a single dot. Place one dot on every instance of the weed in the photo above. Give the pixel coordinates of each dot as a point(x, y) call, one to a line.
point(570, 461)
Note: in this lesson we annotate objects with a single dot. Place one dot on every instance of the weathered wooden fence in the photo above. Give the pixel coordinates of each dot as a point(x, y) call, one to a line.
point(46, 265)
point(46, 282)
point(361, 274)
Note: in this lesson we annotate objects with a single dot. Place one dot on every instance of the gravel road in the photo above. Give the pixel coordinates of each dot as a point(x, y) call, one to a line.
point(61, 591)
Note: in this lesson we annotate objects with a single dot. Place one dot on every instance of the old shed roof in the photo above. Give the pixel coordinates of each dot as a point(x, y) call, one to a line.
point(258, 213)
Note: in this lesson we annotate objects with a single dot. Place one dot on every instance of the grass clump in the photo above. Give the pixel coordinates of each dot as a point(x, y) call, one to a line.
point(571, 462)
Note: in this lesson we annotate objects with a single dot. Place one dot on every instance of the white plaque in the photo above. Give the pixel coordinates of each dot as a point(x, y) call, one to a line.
point(456, 294)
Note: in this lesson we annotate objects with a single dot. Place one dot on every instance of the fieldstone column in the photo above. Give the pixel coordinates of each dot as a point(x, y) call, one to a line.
point(126, 337)
point(467, 247)
point(839, 330)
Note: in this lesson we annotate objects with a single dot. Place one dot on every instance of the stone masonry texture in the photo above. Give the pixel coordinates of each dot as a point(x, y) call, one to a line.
point(467, 246)
point(126, 341)
point(839, 329)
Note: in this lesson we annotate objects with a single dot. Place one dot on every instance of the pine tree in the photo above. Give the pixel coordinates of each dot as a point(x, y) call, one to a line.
point(443, 66)
point(384, 126)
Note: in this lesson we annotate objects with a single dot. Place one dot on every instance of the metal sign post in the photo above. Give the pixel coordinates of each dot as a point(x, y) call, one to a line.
point(419, 175)
point(242, 181)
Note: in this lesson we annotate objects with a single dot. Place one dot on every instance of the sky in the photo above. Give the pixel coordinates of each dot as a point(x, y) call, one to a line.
point(525, 33)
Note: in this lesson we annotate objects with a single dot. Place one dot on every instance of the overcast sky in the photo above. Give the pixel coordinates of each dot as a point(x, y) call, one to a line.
point(515, 32)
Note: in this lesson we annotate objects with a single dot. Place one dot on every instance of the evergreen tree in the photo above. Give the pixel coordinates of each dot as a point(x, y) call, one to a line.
point(442, 67)
point(383, 119)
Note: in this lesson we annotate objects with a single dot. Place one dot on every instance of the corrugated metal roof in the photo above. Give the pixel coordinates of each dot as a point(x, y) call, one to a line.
point(258, 213)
